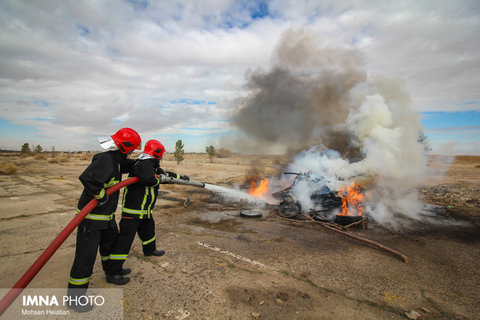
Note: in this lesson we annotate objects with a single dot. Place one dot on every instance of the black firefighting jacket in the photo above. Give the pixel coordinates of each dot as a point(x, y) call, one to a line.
point(139, 198)
point(104, 171)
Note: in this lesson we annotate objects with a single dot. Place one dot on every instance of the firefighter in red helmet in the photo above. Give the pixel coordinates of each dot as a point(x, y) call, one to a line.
point(137, 206)
point(99, 229)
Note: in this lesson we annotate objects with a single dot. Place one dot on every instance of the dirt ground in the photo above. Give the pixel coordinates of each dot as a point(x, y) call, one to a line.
point(220, 265)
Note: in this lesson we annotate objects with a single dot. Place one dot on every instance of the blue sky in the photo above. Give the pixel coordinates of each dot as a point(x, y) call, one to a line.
point(76, 70)
point(17, 132)
point(443, 128)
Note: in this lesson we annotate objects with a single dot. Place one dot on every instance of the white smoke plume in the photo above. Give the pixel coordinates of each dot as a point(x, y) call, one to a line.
point(393, 164)
point(345, 127)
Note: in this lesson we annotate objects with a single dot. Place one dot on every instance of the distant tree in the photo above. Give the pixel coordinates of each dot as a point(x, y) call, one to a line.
point(211, 151)
point(179, 152)
point(25, 148)
point(423, 139)
point(38, 149)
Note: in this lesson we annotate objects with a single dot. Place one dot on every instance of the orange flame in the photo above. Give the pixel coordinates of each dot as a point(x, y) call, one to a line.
point(260, 190)
point(352, 200)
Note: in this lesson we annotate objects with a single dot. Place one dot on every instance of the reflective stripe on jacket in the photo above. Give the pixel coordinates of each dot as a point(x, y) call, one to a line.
point(98, 217)
point(139, 199)
point(104, 171)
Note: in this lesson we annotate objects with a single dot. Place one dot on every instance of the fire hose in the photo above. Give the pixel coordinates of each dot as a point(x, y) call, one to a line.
point(21, 284)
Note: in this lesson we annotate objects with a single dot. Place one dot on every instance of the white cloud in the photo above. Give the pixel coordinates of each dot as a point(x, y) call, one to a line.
point(96, 63)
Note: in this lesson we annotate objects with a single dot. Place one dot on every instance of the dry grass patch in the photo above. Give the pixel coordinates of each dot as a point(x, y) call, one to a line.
point(24, 161)
point(41, 157)
point(86, 156)
point(31, 169)
point(61, 159)
point(8, 168)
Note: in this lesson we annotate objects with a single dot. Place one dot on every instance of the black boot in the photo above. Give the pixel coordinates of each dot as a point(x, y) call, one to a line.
point(117, 279)
point(157, 253)
point(125, 271)
point(79, 308)
point(75, 301)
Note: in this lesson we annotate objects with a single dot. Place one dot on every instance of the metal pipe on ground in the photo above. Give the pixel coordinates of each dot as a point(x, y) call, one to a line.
point(373, 243)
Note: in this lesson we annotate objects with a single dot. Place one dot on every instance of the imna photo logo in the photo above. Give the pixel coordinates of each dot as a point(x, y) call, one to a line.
point(52, 301)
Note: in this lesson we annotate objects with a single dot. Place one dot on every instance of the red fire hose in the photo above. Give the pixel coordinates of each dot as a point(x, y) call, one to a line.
point(40, 262)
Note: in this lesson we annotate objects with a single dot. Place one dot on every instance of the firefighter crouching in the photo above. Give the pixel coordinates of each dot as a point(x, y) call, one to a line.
point(99, 228)
point(137, 206)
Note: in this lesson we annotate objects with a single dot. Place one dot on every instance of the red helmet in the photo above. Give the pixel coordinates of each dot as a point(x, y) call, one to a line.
point(127, 140)
point(154, 148)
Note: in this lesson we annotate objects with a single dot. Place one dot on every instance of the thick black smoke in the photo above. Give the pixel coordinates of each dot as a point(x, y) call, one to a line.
point(303, 99)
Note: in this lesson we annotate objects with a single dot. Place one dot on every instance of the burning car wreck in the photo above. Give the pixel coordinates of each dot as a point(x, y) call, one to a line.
point(343, 205)
point(336, 209)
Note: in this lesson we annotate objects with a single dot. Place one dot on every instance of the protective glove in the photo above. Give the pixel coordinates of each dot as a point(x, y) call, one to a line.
point(171, 174)
point(185, 177)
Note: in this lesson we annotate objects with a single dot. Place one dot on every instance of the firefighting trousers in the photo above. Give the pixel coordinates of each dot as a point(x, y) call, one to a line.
point(128, 228)
point(88, 242)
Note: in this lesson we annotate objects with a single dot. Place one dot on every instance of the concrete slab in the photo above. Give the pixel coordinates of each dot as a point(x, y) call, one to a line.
point(23, 205)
